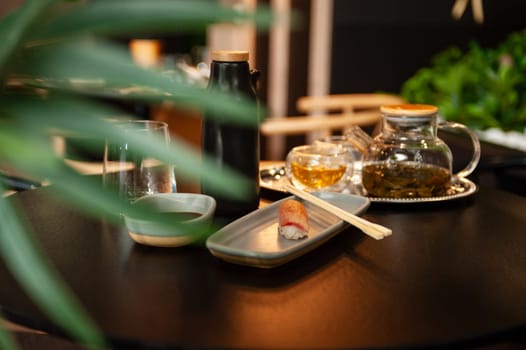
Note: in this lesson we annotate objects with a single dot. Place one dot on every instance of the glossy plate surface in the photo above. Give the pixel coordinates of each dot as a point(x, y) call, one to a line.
point(254, 240)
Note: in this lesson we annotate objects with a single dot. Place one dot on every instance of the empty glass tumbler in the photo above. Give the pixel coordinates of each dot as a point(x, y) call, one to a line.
point(131, 170)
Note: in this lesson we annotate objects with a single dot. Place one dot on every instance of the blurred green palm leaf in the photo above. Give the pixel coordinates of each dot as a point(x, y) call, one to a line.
point(7, 341)
point(98, 68)
point(52, 65)
point(62, 115)
point(126, 17)
point(39, 279)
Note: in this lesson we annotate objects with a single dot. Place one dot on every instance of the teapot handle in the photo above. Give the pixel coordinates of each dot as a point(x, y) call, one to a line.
point(470, 167)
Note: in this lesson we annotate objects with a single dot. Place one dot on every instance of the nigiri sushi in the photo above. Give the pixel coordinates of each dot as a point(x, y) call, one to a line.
point(293, 220)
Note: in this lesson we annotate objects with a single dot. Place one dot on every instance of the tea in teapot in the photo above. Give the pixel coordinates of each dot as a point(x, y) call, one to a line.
point(405, 180)
point(407, 159)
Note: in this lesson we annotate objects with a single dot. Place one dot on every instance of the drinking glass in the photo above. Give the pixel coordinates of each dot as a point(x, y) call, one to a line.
point(353, 180)
point(318, 167)
point(135, 174)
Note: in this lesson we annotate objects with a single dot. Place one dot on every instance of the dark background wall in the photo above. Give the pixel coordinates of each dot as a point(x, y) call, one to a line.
point(378, 44)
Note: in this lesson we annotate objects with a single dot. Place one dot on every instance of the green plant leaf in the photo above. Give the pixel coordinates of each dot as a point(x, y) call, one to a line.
point(39, 279)
point(482, 88)
point(42, 115)
point(7, 341)
point(35, 52)
point(101, 69)
point(14, 27)
point(137, 17)
point(84, 192)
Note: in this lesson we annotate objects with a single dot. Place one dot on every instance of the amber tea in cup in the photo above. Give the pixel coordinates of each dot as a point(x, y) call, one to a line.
point(353, 180)
point(317, 167)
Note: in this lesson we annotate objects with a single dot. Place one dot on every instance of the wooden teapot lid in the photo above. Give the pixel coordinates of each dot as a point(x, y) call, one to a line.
point(409, 110)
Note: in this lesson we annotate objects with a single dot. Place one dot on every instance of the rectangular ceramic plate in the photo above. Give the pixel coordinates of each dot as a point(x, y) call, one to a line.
point(254, 240)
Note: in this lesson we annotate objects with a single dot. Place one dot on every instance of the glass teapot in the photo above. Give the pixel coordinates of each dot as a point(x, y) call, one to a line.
point(407, 159)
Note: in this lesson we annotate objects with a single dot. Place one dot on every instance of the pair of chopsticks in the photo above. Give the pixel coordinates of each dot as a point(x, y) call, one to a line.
point(371, 229)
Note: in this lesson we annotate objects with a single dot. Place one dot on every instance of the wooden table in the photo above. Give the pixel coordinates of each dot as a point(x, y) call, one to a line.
point(452, 273)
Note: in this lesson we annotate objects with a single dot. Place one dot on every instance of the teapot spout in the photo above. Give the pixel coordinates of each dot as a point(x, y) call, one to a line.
point(359, 139)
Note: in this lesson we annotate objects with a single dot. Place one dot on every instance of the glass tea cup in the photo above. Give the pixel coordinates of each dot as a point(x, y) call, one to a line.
point(136, 174)
point(318, 167)
point(353, 180)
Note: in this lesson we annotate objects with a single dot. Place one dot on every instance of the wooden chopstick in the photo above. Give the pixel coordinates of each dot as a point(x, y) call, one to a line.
point(371, 229)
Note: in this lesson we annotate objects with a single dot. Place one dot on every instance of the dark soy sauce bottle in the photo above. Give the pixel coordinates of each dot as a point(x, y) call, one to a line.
point(229, 144)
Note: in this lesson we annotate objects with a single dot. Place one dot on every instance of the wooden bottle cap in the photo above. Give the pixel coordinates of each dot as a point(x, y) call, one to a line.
point(409, 110)
point(229, 56)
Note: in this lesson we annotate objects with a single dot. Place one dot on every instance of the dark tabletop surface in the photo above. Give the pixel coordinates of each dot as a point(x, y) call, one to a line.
point(452, 273)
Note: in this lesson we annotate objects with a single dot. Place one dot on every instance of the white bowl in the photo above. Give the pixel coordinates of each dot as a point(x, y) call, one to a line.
point(153, 233)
